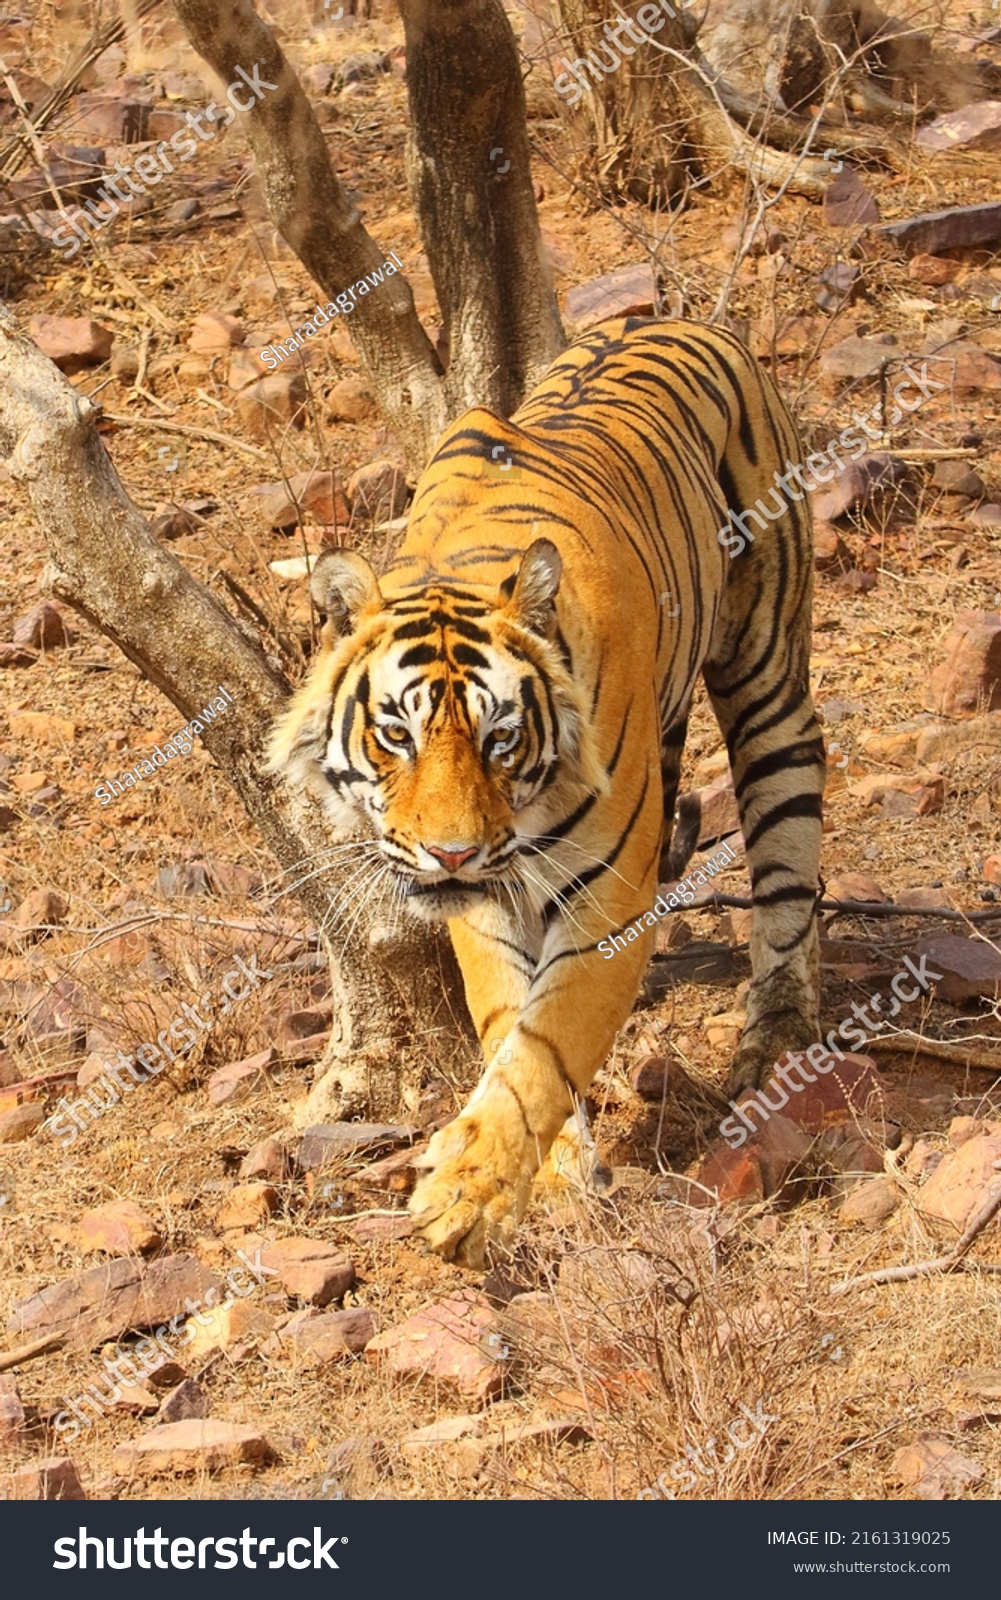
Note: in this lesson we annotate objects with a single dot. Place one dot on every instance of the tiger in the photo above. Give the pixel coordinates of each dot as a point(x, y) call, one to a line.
point(503, 710)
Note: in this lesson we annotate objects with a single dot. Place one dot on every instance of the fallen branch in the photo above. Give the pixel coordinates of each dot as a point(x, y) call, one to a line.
point(946, 1263)
point(851, 908)
point(224, 439)
point(958, 1055)
point(28, 1352)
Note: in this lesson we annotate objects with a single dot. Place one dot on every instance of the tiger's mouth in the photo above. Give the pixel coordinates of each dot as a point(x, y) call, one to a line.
point(443, 899)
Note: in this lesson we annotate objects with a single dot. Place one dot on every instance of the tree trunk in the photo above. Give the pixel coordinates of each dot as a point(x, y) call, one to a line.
point(472, 187)
point(312, 212)
point(389, 989)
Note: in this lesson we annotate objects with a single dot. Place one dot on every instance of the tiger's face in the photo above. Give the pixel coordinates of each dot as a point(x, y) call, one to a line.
point(442, 720)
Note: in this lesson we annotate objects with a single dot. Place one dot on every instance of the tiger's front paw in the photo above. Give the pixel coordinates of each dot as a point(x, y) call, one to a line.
point(478, 1180)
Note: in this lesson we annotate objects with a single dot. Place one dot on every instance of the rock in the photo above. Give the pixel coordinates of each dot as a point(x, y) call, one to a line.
point(305, 1024)
point(215, 332)
point(447, 1344)
point(42, 728)
point(967, 368)
point(963, 1128)
point(963, 1181)
point(651, 1078)
point(970, 968)
point(871, 1202)
point(957, 228)
point(99, 1305)
point(310, 1269)
point(333, 1141)
point(175, 522)
point(988, 516)
point(270, 405)
point(927, 899)
point(933, 270)
point(855, 886)
point(120, 1228)
point(21, 1122)
point(54, 1478)
point(185, 1403)
point(377, 1230)
point(847, 201)
point(848, 1091)
point(378, 491)
point(856, 357)
point(901, 796)
point(350, 400)
point(203, 1445)
point(394, 1174)
point(39, 911)
point(730, 1175)
point(830, 553)
point(111, 118)
point(840, 283)
point(957, 477)
point(992, 869)
point(626, 292)
point(930, 1469)
point(969, 679)
point(859, 483)
point(233, 1328)
point(236, 1080)
point(724, 1028)
point(71, 342)
point(336, 1334)
point(266, 1159)
point(247, 1206)
point(976, 127)
point(43, 628)
point(12, 1413)
point(944, 741)
point(314, 493)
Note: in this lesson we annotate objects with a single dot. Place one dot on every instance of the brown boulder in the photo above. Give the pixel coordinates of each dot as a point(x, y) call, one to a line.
point(968, 680)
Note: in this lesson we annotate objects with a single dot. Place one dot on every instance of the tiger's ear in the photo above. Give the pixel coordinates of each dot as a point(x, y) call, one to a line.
point(531, 600)
point(343, 585)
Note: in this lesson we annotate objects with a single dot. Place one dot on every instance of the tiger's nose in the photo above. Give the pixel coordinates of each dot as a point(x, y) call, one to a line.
point(451, 857)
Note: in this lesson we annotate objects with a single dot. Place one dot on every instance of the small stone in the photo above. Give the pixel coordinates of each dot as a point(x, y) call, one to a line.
point(902, 796)
point(992, 869)
point(629, 291)
point(926, 899)
point(333, 1141)
point(310, 1269)
point(963, 1128)
point(969, 969)
point(248, 1206)
point(855, 886)
point(350, 400)
point(270, 405)
point(974, 127)
point(314, 494)
point(847, 201)
point(266, 1159)
point(378, 491)
point(72, 343)
point(236, 1080)
point(336, 1334)
point(969, 678)
point(21, 1122)
point(54, 1478)
point(204, 1445)
point(215, 332)
point(447, 1345)
point(650, 1079)
point(943, 742)
point(871, 1202)
point(12, 1413)
point(43, 628)
point(732, 1175)
point(856, 357)
point(957, 477)
point(930, 1469)
point(120, 1228)
point(232, 1328)
point(933, 270)
point(958, 227)
point(963, 1181)
point(188, 1401)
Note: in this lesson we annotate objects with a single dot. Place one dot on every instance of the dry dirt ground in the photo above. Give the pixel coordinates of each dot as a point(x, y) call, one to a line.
point(652, 1321)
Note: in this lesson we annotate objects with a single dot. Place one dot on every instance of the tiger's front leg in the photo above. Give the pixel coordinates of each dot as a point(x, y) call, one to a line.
point(544, 1034)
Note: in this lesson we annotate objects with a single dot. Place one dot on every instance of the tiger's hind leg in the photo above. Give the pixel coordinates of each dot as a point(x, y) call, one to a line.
point(757, 675)
point(676, 841)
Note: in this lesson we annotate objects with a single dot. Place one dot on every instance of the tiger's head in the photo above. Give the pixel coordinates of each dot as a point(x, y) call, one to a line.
point(444, 720)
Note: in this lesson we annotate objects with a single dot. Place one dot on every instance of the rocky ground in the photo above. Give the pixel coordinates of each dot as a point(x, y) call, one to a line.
point(707, 1322)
